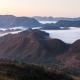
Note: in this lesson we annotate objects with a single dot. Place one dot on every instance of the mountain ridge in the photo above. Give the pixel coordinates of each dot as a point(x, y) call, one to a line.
point(35, 46)
point(31, 46)
point(9, 21)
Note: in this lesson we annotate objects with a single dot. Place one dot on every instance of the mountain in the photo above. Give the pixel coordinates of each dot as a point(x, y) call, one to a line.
point(68, 23)
point(7, 21)
point(72, 57)
point(39, 18)
point(61, 25)
point(53, 26)
point(31, 46)
point(51, 18)
point(26, 22)
point(50, 27)
point(35, 46)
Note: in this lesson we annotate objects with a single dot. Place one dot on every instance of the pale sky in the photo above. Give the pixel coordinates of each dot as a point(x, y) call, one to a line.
point(59, 8)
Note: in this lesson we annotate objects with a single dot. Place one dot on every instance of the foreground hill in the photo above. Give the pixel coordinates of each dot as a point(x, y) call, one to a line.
point(14, 71)
point(72, 57)
point(35, 46)
point(32, 46)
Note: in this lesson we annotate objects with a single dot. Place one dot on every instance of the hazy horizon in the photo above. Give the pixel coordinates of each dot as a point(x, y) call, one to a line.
point(55, 8)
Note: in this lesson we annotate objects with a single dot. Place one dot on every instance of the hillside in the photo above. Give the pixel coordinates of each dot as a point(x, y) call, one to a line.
point(32, 46)
point(14, 71)
point(72, 57)
point(35, 46)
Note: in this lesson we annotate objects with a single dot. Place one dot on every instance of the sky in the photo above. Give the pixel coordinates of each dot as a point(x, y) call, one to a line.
point(55, 8)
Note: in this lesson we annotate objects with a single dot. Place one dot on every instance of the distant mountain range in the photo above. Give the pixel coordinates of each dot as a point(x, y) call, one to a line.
point(12, 21)
point(68, 23)
point(50, 18)
point(8, 21)
point(62, 24)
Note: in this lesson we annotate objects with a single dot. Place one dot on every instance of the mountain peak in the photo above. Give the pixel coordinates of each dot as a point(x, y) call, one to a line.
point(32, 46)
point(35, 33)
